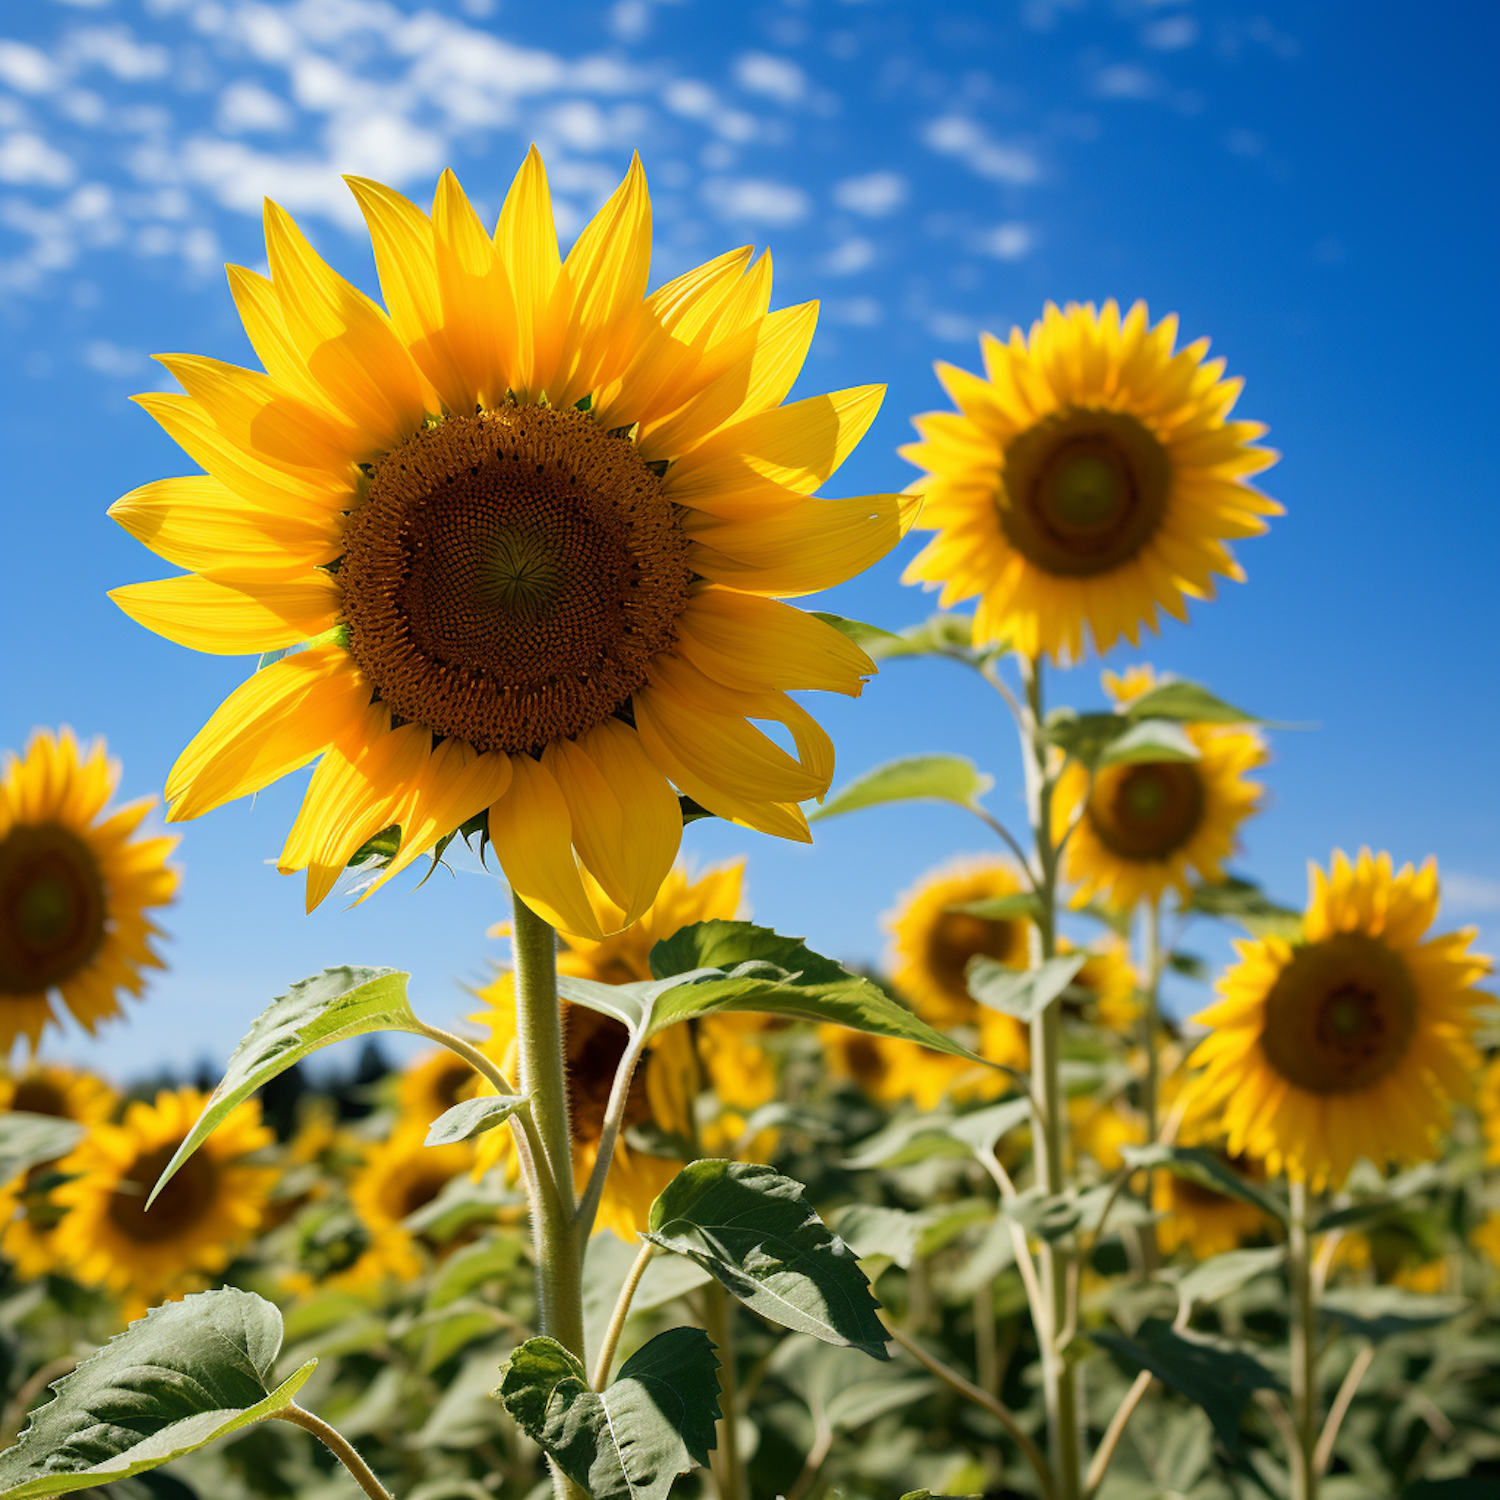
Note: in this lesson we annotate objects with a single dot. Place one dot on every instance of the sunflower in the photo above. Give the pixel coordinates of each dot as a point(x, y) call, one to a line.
point(1487, 1102)
point(210, 1209)
point(433, 1084)
point(1108, 979)
point(1206, 1222)
point(75, 886)
point(1099, 1129)
point(1147, 824)
point(522, 534)
point(1350, 1041)
point(660, 1100)
point(399, 1176)
point(1091, 478)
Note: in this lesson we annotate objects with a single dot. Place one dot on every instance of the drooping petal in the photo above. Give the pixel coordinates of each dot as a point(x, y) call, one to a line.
point(225, 620)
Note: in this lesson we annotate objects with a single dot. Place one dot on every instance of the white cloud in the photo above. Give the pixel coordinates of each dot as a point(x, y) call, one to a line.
point(115, 49)
point(966, 139)
point(25, 157)
point(629, 20)
point(1124, 81)
point(1010, 241)
point(777, 78)
point(247, 106)
point(756, 200)
point(1471, 893)
point(27, 70)
point(874, 195)
point(239, 178)
point(1171, 33)
point(386, 145)
point(852, 255)
point(857, 312)
point(694, 100)
point(952, 327)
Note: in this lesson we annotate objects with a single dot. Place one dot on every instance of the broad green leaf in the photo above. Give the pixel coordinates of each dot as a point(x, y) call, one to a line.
point(1023, 993)
point(329, 1007)
point(1242, 901)
point(981, 1129)
point(184, 1375)
point(467, 1269)
point(878, 644)
point(751, 1229)
point(27, 1140)
point(914, 778)
point(871, 1229)
point(1148, 742)
point(1220, 1275)
point(1002, 908)
point(760, 970)
point(462, 1202)
point(1378, 1312)
point(1386, 1205)
point(1084, 737)
point(1220, 1378)
point(1188, 703)
point(1207, 1170)
point(840, 1390)
point(471, 1117)
point(906, 1140)
point(652, 1423)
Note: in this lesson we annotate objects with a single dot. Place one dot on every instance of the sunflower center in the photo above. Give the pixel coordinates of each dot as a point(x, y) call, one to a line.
point(1083, 491)
point(1149, 811)
point(510, 575)
point(958, 936)
point(417, 1190)
point(52, 907)
point(595, 1044)
point(1341, 1015)
point(182, 1205)
point(866, 1062)
point(40, 1096)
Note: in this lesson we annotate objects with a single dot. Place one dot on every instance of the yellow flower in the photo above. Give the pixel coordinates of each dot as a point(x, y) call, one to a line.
point(1091, 478)
point(432, 1085)
point(1099, 1130)
point(399, 1176)
point(75, 886)
point(523, 532)
point(206, 1212)
point(1149, 824)
point(1109, 978)
point(891, 1071)
point(1349, 1042)
point(661, 1095)
point(1487, 1103)
point(1207, 1222)
point(1486, 1236)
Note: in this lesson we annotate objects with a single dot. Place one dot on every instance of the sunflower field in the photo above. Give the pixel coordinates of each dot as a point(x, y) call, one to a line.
point(521, 552)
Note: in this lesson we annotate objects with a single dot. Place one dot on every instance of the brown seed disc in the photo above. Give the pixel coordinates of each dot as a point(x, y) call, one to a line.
point(53, 907)
point(179, 1208)
point(510, 576)
point(1147, 812)
point(1341, 1015)
point(595, 1044)
point(958, 936)
point(1083, 491)
point(40, 1096)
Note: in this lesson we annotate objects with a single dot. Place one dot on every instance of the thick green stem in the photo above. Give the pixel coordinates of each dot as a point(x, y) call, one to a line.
point(1049, 1102)
point(543, 1076)
point(1149, 986)
point(720, 1319)
point(1304, 1349)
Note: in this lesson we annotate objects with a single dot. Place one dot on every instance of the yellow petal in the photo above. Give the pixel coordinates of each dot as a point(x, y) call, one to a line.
point(799, 446)
point(348, 343)
point(803, 548)
point(527, 241)
point(532, 832)
point(272, 725)
point(201, 524)
point(265, 327)
point(227, 621)
point(478, 309)
point(759, 645)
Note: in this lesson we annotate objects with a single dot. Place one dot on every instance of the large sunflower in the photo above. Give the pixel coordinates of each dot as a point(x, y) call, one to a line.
point(1349, 1042)
point(206, 1212)
point(75, 886)
point(520, 532)
point(1091, 478)
point(1149, 825)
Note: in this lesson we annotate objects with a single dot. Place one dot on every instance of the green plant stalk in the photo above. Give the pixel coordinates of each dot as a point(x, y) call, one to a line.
point(1059, 1384)
point(1304, 1349)
point(338, 1445)
point(543, 1076)
point(719, 1315)
point(1150, 986)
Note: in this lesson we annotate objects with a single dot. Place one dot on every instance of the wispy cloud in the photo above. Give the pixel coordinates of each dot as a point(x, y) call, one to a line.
point(1478, 894)
point(965, 138)
point(874, 195)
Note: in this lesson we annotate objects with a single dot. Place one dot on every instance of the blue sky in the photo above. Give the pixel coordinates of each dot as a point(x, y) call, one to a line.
point(1311, 186)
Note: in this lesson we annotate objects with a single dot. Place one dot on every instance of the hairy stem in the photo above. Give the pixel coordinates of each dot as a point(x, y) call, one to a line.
point(1304, 1350)
point(618, 1316)
point(341, 1448)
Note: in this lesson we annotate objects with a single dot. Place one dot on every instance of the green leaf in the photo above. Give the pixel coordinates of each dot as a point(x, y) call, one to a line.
point(1023, 993)
point(184, 1375)
point(1188, 703)
point(941, 634)
point(1207, 1170)
point(1002, 908)
point(871, 639)
point(914, 778)
point(1148, 742)
point(1220, 1378)
point(654, 1422)
point(329, 1007)
point(1242, 901)
point(751, 1229)
point(1084, 737)
point(471, 1117)
point(871, 1229)
point(1378, 1312)
point(27, 1140)
point(1220, 1275)
point(918, 1137)
point(760, 970)
point(981, 1129)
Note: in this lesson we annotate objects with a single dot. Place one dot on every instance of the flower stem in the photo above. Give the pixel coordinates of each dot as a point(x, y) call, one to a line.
point(543, 1076)
point(1304, 1349)
point(341, 1448)
point(1150, 985)
point(1049, 1105)
point(719, 1315)
point(618, 1316)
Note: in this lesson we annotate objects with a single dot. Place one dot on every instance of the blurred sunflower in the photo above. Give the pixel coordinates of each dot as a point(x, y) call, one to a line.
point(890, 1071)
point(1485, 1238)
point(1107, 979)
point(660, 1100)
point(75, 886)
point(1090, 479)
point(1351, 1041)
point(1206, 1222)
point(398, 1176)
point(1487, 1102)
point(211, 1208)
point(1146, 825)
point(432, 1085)
point(520, 531)
point(1099, 1129)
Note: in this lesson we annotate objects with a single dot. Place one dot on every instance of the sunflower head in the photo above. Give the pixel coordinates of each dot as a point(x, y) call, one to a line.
point(1352, 1041)
point(75, 886)
point(399, 1176)
point(522, 533)
point(1206, 1222)
point(1090, 478)
point(433, 1084)
point(1148, 826)
point(62, 1092)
